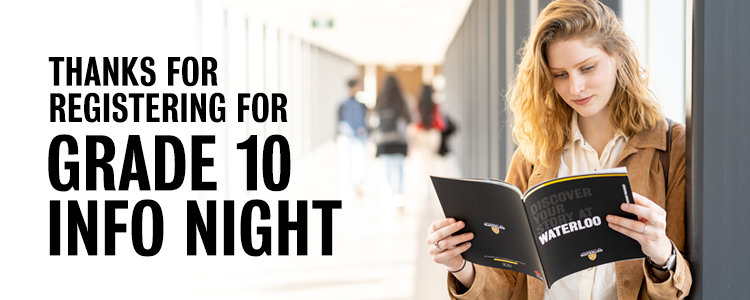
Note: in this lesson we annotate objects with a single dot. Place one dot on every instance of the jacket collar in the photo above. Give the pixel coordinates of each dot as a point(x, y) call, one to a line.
point(650, 138)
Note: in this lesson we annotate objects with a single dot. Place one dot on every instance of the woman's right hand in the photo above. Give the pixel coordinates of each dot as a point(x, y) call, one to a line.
point(441, 244)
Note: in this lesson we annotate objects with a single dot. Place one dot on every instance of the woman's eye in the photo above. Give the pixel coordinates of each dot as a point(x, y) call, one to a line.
point(588, 68)
point(560, 75)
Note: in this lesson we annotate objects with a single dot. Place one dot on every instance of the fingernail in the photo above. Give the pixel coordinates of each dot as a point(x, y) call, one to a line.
point(610, 218)
point(451, 221)
point(468, 244)
point(460, 225)
point(470, 236)
point(624, 206)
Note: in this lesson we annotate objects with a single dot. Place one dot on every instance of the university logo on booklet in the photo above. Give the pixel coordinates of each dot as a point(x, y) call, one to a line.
point(495, 227)
point(591, 254)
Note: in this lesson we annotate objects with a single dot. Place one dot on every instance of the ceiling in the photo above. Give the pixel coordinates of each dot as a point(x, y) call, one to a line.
point(366, 31)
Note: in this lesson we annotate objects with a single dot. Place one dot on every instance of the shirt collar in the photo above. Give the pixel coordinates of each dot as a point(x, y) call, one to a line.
point(578, 137)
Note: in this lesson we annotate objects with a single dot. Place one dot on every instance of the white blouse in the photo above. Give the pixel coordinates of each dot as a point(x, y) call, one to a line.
point(579, 157)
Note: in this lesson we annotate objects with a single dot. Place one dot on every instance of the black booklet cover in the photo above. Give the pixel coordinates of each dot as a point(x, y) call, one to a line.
point(558, 227)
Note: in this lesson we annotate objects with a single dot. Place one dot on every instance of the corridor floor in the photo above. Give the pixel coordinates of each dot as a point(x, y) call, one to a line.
point(378, 250)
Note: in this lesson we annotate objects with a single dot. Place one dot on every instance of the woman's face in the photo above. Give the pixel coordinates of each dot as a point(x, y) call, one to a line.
point(583, 75)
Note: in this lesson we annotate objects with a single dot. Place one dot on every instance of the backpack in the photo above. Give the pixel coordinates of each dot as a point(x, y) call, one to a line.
point(391, 127)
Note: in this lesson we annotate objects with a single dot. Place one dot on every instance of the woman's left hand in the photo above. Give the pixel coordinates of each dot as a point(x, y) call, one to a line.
point(649, 230)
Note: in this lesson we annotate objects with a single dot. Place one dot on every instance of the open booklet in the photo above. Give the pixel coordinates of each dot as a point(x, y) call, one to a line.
point(556, 228)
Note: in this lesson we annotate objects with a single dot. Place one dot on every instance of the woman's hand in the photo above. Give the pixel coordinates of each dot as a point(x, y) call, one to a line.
point(649, 230)
point(441, 245)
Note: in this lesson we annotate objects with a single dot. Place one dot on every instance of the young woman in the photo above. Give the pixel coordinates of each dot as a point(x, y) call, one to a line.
point(581, 103)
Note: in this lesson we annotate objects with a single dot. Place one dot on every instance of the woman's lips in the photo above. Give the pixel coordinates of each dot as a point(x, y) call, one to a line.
point(583, 101)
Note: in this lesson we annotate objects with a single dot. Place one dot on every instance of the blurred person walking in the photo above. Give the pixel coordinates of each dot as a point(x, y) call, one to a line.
point(352, 133)
point(392, 118)
point(425, 136)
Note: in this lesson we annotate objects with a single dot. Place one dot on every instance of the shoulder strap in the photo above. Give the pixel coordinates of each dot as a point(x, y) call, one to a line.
point(665, 155)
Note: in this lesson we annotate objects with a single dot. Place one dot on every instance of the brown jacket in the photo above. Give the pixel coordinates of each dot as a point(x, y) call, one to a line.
point(646, 175)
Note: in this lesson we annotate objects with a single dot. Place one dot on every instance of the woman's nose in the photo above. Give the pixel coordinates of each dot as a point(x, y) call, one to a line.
point(577, 84)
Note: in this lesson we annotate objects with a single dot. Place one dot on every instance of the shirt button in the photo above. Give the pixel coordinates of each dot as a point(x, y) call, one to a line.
point(627, 282)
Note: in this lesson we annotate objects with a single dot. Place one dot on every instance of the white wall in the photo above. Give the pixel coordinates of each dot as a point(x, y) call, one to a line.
point(658, 29)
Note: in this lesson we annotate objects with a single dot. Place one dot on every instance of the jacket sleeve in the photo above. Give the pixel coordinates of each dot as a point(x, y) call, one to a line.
point(492, 283)
point(677, 286)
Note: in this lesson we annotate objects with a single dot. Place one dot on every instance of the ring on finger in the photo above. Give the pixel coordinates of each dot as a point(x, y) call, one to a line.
point(644, 232)
point(437, 247)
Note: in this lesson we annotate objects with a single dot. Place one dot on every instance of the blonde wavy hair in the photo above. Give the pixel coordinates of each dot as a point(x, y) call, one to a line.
point(541, 123)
